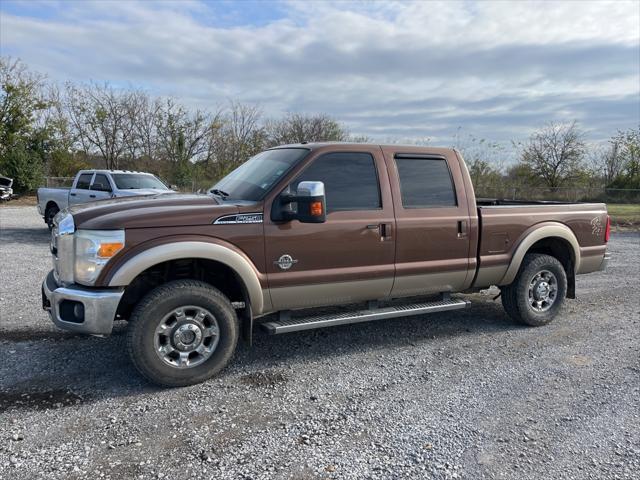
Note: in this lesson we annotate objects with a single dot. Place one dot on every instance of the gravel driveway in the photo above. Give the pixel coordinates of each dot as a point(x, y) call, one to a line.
point(465, 394)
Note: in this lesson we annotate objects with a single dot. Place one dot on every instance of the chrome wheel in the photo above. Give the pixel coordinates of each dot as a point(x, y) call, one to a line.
point(543, 291)
point(186, 337)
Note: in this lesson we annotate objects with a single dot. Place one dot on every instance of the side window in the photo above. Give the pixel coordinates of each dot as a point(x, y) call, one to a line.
point(84, 181)
point(350, 180)
point(101, 183)
point(425, 183)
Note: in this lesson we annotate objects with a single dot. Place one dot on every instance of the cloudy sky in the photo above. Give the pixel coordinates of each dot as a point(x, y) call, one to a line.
point(407, 70)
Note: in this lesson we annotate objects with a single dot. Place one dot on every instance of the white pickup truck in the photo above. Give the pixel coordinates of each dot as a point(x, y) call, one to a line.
point(92, 185)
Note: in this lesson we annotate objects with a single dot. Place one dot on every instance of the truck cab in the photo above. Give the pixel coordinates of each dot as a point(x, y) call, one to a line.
point(382, 230)
point(94, 185)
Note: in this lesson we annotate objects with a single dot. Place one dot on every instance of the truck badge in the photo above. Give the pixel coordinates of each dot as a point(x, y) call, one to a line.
point(285, 262)
point(596, 226)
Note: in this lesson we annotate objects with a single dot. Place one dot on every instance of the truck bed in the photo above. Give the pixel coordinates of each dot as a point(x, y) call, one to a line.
point(504, 223)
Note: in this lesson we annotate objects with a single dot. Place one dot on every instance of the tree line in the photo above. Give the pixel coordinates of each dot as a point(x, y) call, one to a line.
point(48, 129)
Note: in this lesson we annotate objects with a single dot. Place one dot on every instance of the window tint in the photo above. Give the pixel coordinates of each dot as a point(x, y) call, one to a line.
point(132, 181)
point(350, 180)
point(101, 183)
point(254, 178)
point(425, 182)
point(84, 181)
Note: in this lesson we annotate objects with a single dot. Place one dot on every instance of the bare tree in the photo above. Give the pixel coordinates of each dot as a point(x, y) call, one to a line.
point(102, 118)
point(555, 153)
point(297, 128)
point(238, 136)
point(607, 161)
point(145, 112)
point(182, 135)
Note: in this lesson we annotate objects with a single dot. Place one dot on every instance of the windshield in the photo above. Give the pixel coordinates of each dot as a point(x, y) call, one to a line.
point(129, 181)
point(254, 178)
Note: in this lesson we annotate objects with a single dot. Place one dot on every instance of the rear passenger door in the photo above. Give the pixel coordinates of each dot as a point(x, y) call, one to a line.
point(80, 192)
point(348, 258)
point(432, 223)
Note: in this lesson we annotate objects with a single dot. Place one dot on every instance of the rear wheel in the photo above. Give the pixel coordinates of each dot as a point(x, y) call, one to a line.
point(537, 293)
point(182, 333)
point(49, 213)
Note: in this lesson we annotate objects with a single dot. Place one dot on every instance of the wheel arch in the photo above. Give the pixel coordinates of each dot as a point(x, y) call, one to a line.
point(552, 238)
point(51, 203)
point(166, 253)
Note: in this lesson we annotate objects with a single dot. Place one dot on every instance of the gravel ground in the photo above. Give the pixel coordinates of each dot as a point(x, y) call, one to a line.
point(465, 394)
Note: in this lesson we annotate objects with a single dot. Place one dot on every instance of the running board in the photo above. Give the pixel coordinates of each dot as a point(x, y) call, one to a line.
point(286, 325)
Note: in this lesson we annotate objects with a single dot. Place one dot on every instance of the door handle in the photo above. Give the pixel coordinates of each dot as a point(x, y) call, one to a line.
point(385, 231)
point(72, 194)
point(373, 227)
point(92, 196)
point(462, 228)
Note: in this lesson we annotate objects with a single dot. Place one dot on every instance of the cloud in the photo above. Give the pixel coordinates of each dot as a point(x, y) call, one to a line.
point(497, 69)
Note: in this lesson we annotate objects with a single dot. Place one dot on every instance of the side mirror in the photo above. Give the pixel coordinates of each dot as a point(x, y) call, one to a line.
point(173, 187)
point(311, 202)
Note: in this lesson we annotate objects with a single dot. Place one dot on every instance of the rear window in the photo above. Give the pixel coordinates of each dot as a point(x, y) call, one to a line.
point(425, 183)
point(84, 181)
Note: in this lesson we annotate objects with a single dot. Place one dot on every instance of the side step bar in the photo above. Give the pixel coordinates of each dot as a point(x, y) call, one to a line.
point(286, 325)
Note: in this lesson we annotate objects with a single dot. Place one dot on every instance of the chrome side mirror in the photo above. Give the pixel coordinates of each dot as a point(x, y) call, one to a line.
point(311, 203)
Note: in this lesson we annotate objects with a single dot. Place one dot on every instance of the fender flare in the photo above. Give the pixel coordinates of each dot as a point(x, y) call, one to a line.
point(535, 234)
point(242, 266)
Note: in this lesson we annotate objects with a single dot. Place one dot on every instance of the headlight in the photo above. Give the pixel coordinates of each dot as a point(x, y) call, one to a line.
point(64, 221)
point(93, 249)
point(62, 246)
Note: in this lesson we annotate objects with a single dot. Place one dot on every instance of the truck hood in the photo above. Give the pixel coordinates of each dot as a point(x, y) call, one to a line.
point(153, 211)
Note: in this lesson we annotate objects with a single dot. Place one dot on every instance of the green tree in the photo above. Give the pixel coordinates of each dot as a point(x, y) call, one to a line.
point(24, 134)
point(628, 149)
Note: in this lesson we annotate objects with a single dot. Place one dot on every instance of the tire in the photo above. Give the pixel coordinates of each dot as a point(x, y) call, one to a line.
point(537, 293)
point(49, 213)
point(164, 326)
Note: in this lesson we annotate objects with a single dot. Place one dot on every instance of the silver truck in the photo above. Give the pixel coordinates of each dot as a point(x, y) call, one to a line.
point(93, 185)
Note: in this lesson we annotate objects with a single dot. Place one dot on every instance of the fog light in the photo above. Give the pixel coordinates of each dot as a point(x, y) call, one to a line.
point(71, 311)
point(78, 311)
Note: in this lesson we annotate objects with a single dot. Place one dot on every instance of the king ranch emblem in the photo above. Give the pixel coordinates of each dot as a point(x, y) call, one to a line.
point(285, 262)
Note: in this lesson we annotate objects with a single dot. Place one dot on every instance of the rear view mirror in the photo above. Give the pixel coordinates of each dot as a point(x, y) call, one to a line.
point(311, 203)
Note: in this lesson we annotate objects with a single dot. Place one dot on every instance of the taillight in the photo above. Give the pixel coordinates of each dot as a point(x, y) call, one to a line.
point(607, 231)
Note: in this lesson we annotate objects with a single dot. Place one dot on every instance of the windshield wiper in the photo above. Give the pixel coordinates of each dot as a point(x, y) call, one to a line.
point(218, 192)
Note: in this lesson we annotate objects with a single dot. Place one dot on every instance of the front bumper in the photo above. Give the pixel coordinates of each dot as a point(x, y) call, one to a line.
point(80, 309)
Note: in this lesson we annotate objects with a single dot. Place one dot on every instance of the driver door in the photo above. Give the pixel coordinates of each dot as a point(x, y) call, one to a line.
point(350, 257)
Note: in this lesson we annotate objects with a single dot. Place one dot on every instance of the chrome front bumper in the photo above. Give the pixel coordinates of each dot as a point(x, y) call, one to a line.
point(80, 309)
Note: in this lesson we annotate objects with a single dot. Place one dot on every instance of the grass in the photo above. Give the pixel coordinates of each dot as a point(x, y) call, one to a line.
point(21, 201)
point(624, 213)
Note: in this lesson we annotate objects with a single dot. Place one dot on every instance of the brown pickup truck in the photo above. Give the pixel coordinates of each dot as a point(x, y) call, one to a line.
point(306, 226)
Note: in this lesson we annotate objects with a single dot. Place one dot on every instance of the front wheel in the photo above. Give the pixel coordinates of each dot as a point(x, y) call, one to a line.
point(537, 293)
point(182, 333)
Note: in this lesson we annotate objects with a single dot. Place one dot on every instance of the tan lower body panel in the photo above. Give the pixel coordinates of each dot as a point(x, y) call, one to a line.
point(427, 283)
point(317, 295)
point(590, 264)
point(488, 276)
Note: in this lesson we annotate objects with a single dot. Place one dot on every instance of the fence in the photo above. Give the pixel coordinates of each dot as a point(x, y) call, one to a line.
point(56, 182)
